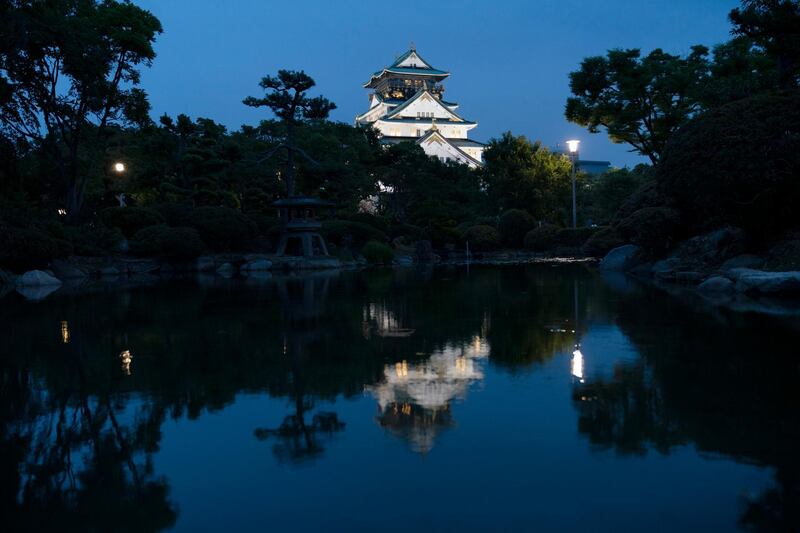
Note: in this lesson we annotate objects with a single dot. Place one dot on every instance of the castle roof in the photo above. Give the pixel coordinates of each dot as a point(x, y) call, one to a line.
point(411, 64)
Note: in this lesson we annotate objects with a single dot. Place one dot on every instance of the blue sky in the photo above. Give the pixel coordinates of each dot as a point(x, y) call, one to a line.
point(509, 60)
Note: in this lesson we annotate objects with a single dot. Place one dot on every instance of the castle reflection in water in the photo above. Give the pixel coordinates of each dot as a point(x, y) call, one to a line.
point(414, 398)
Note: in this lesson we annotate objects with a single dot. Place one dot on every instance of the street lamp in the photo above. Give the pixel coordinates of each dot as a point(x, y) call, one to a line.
point(119, 167)
point(573, 155)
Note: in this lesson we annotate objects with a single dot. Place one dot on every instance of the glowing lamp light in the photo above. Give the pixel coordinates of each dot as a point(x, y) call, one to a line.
point(62, 212)
point(119, 167)
point(573, 146)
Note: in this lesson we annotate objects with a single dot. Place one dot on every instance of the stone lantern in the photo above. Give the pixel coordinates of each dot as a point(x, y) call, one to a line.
point(300, 229)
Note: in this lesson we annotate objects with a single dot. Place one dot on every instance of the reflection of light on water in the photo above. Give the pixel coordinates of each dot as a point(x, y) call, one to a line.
point(577, 364)
point(126, 358)
point(64, 331)
point(379, 319)
point(414, 398)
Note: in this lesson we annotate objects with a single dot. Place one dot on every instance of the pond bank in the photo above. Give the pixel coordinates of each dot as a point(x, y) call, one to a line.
point(718, 267)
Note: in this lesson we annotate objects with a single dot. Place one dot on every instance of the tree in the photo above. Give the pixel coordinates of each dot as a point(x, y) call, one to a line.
point(287, 98)
point(68, 72)
point(523, 175)
point(774, 25)
point(640, 101)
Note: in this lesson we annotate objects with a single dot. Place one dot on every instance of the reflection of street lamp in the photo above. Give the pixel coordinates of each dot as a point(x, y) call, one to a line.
point(577, 356)
point(577, 364)
point(573, 155)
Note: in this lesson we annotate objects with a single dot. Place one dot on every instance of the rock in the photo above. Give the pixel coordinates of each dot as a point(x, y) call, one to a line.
point(689, 277)
point(645, 269)
point(109, 271)
point(205, 264)
point(749, 280)
point(140, 266)
point(716, 284)
point(257, 265)
point(403, 260)
point(423, 250)
point(226, 270)
point(665, 269)
point(37, 278)
point(37, 292)
point(6, 278)
point(620, 258)
point(63, 269)
point(742, 261)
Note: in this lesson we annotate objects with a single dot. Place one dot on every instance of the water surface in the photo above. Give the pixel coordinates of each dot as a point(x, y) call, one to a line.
point(527, 398)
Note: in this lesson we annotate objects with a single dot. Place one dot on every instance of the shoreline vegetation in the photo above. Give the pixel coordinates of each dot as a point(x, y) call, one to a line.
point(91, 185)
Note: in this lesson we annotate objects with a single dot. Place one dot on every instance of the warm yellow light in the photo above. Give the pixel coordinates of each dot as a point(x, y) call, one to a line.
point(573, 146)
point(119, 167)
point(126, 358)
point(64, 331)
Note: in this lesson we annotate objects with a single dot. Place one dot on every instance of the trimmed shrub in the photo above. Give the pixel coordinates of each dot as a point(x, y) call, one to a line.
point(345, 233)
point(648, 195)
point(377, 253)
point(378, 222)
point(482, 238)
point(167, 242)
point(738, 165)
point(602, 242)
point(514, 225)
point(574, 237)
point(441, 236)
point(24, 249)
point(93, 240)
point(223, 228)
point(410, 231)
point(267, 223)
point(653, 228)
point(542, 238)
point(129, 220)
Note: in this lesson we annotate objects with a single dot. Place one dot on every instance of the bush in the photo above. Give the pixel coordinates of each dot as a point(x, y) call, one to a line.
point(378, 222)
point(410, 231)
point(482, 238)
point(574, 237)
point(654, 229)
point(344, 233)
point(377, 253)
point(441, 236)
point(542, 238)
point(24, 249)
point(223, 228)
point(602, 242)
point(129, 220)
point(93, 240)
point(737, 165)
point(164, 241)
point(267, 223)
point(514, 225)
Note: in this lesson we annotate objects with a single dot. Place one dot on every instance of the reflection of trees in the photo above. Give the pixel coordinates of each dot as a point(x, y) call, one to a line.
point(304, 326)
point(69, 463)
point(77, 433)
point(726, 393)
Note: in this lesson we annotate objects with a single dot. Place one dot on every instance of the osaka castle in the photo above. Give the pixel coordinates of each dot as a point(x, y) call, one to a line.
point(406, 105)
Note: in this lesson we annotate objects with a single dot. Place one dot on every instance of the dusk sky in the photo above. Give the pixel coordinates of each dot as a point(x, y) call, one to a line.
point(509, 60)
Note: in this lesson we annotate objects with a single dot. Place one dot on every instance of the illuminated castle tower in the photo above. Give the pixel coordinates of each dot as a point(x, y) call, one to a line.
point(406, 105)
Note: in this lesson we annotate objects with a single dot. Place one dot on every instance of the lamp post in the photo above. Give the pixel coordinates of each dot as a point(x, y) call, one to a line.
point(119, 168)
point(573, 155)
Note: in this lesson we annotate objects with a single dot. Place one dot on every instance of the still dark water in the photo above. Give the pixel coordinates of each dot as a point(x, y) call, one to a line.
point(397, 400)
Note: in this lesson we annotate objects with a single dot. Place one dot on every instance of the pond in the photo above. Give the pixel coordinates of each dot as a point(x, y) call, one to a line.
point(486, 398)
